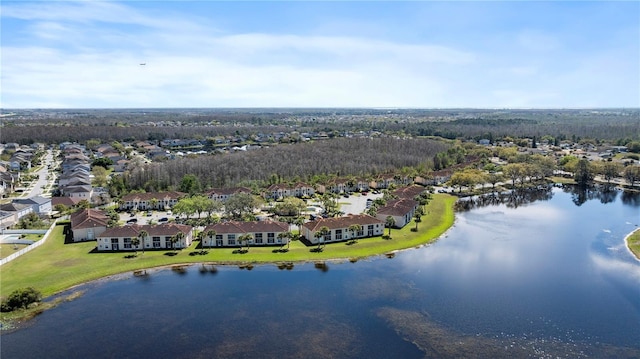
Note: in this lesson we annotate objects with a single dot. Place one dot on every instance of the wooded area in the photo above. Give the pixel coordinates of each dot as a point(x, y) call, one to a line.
point(309, 162)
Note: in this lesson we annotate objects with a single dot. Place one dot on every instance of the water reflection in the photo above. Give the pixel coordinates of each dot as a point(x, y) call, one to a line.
point(548, 279)
point(512, 199)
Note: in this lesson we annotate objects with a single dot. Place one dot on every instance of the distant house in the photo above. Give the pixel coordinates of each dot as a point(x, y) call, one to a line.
point(7, 219)
point(339, 228)
point(264, 233)
point(223, 194)
point(88, 224)
point(151, 200)
point(19, 209)
point(40, 205)
point(65, 201)
point(79, 191)
point(159, 236)
point(402, 211)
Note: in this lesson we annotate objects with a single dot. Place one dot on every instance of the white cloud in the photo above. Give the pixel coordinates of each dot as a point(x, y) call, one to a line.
point(87, 54)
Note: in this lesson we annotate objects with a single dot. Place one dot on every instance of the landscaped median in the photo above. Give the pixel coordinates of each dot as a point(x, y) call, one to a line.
point(56, 266)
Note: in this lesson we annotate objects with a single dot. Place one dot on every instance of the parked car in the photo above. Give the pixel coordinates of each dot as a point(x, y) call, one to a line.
point(163, 219)
point(132, 220)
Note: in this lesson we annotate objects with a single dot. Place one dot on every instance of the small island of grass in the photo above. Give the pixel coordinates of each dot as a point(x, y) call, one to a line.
point(55, 266)
point(633, 242)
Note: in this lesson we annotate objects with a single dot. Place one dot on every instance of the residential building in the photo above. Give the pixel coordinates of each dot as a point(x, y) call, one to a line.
point(264, 233)
point(41, 205)
point(159, 236)
point(223, 194)
point(410, 192)
point(281, 190)
point(88, 224)
point(339, 228)
point(402, 211)
point(151, 200)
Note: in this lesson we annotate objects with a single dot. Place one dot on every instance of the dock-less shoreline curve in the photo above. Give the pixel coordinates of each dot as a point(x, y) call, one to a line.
point(55, 266)
point(633, 243)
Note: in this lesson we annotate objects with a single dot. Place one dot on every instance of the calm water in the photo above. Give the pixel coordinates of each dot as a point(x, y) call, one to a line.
point(543, 279)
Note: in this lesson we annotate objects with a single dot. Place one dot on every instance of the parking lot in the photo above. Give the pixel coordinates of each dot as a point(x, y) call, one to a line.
point(356, 203)
point(141, 217)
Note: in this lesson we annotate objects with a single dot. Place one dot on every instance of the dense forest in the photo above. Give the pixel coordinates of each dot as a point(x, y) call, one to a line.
point(54, 126)
point(310, 162)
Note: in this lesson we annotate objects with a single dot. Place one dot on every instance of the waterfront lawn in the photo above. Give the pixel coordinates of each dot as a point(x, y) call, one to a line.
point(633, 241)
point(55, 266)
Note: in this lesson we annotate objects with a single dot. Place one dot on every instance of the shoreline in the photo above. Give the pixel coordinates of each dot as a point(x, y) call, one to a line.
point(75, 265)
point(628, 244)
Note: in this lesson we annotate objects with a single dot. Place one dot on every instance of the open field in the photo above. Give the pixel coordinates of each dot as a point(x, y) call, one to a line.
point(54, 266)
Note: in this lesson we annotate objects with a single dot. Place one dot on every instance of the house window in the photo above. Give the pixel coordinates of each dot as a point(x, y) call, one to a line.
point(231, 242)
point(338, 234)
point(231, 237)
point(360, 231)
point(127, 243)
point(271, 237)
point(114, 244)
point(219, 242)
point(370, 230)
point(156, 242)
point(258, 237)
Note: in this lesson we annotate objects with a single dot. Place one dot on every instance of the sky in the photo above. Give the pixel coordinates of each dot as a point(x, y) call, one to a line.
point(419, 54)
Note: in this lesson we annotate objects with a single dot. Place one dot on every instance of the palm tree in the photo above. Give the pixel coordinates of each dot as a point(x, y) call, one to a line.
point(141, 236)
point(178, 237)
point(354, 229)
point(390, 222)
point(153, 202)
point(282, 236)
point(245, 238)
point(211, 234)
point(135, 241)
point(322, 232)
point(417, 217)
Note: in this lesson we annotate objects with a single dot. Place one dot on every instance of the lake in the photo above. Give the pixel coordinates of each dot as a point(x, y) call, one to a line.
point(543, 275)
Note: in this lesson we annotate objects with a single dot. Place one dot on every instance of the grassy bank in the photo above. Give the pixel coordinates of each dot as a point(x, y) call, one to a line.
point(54, 266)
point(633, 242)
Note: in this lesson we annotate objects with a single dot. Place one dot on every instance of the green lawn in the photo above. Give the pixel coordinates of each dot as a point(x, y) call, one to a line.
point(8, 249)
point(634, 243)
point(54, 266)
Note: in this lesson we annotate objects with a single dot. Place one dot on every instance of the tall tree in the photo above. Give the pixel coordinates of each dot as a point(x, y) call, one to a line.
point(583, 174)
point(142, 235)
point(246, 238)
point(190, 184)
point(417, 217)
point(389, 222)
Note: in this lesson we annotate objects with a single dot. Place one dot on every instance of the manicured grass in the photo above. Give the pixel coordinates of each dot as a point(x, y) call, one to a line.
point(8, 249)
point(633, 241)
point(55, 266)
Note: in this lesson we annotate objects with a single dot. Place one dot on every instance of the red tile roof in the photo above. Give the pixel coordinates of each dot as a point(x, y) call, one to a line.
point(88, 218)
point(398, 207)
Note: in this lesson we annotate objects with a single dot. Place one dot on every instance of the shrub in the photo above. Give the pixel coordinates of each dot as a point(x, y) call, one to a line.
point(20, 298)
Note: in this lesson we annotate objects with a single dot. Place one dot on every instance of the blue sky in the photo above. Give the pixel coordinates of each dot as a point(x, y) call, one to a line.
point(87, 54)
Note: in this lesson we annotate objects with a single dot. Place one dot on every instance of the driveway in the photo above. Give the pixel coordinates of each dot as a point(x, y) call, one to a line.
point(356, 203)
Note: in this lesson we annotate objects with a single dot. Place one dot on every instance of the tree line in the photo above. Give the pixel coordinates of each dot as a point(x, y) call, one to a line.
point(308, 162)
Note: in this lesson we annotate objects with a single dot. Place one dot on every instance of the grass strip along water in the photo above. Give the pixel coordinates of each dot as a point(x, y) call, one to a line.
point(55, 266)
point(633, 242)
